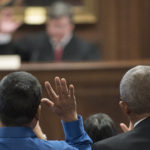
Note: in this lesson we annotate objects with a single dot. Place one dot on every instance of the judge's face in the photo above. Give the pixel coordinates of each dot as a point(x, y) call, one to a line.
point(59, 28)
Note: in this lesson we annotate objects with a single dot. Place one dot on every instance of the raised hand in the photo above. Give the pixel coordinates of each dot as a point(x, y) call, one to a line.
point(62, 101)
point(125, 128)
point(7, 24)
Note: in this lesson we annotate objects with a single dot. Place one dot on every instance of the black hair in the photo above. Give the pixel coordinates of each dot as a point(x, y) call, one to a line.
point(20, 96)
point(99, 126)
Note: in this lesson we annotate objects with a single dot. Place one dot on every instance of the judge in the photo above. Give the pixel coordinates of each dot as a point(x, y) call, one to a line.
point(58, 43)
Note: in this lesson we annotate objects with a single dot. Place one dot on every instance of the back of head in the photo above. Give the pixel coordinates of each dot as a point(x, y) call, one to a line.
point(135, 89)
point(20, 95)
point(61, 9)
point(99, 126)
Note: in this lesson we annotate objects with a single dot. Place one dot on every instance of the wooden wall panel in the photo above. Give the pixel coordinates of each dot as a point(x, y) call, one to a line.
point(108, 14)
point(145, 23)
point(121, 29)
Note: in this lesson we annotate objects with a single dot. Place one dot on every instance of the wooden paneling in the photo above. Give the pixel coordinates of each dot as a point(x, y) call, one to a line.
point(123, 29)
point(145, 23)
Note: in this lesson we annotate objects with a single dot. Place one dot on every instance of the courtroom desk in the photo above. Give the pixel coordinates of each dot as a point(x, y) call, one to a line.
point(96, 88)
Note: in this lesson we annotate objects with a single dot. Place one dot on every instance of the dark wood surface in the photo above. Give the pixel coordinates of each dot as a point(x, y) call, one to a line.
point(96, 88)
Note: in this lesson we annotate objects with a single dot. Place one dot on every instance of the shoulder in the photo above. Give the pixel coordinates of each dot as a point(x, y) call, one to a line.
point(53, 144)
point(83, 49)
point(83, 45)
point(115, 142)
point(46, 145)
point(81, 41)
point(33, 38)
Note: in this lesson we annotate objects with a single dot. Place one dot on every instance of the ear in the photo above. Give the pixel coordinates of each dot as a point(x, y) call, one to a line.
point(36, 118)
point(124, 107)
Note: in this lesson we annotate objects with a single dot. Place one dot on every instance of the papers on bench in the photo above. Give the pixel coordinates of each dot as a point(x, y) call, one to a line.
point(10, 62)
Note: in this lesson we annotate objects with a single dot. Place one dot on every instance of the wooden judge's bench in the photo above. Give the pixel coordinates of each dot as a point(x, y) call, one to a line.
point(96, 88)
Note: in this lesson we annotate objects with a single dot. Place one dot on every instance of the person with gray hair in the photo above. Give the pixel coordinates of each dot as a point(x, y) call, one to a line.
point(135, 103)
point(61, 9)
point(58, 43)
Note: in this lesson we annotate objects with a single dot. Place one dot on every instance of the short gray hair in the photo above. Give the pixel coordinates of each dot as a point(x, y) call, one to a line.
point(135, 89)
point(61, 9)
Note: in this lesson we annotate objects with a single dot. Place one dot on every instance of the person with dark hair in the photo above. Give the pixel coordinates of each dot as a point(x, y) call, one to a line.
point(20, 99)
point(58, 43)
point(135, 103)
point(20, 96)
point(99, 126)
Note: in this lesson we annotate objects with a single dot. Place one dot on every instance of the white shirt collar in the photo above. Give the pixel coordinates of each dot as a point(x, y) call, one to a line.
point(139, 121)
point(5, 38)
point(63, 42)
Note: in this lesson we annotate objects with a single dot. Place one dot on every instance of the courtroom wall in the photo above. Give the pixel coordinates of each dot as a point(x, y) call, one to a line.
point(123, 29)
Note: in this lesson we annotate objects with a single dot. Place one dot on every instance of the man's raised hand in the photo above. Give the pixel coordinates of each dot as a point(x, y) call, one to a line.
point(61, 101)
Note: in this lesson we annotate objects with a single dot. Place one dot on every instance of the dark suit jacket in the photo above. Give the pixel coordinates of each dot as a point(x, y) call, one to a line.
point(136, 139)
point(7, 49)
point(38, 48)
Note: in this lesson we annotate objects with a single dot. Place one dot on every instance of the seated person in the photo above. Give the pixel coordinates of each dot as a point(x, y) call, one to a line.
point(7, 27)
point(135, 103)
point(99, 126)
point(20, 99)
point(58, 43)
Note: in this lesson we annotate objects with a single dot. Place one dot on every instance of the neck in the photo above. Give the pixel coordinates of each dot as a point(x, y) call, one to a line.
point(134, 117)
point(31, 125)
point(1, 124)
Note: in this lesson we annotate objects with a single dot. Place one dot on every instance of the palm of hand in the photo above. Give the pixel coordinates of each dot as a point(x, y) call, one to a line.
point(63, 103)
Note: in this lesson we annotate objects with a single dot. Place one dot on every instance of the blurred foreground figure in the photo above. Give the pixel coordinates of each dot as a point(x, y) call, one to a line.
point(20, 100)
point(99, 126)
point(135, 103)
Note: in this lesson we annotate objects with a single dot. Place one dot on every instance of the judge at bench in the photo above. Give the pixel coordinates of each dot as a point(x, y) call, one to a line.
point(58, 43)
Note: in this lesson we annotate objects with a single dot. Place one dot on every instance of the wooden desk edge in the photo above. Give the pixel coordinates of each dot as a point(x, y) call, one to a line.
point(65, 66)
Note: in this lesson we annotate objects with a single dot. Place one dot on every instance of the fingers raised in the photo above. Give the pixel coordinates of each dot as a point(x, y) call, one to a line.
point(71, 91)
point(51, 93)
point(47, 102)
point(124, 127)
point(58, 86)
point(64, 87)
point(61, 89)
